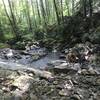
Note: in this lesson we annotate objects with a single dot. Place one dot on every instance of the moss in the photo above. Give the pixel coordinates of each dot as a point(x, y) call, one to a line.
point(3, 45)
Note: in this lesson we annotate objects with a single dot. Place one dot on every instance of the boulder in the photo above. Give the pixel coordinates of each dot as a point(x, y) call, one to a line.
point(62, 57)
point(67, 68)
point(56, 63)
point(64, 92)
point(90, 71)
point(75, 97)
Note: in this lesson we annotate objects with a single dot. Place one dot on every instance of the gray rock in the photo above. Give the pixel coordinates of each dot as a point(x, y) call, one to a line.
point(98, 81)
point(66, 67)
point(56, 62)
point(75, 97)
point(33, 97)
point(62, 56)
point(64, 92)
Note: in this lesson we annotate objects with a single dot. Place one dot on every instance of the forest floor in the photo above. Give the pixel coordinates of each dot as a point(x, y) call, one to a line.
point(62, 80)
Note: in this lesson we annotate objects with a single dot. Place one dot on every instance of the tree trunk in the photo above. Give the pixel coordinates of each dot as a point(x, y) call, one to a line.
point(90, 7)
point(43, 11)
point(37, 5)
point(73, 10)
point(35, 24)
point(67, 7)
point(28, 15)
point(62, 10)
point(56, 10)
point(12, 19)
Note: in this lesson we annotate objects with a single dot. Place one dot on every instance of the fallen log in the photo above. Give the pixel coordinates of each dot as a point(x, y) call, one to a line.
point(42, 74)
point(16, 66)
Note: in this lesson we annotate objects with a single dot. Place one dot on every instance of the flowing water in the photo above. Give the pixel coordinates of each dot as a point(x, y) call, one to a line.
point(26, 60)
point(42, 63)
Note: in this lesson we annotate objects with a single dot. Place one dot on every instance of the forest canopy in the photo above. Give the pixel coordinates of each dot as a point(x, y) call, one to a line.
point(20, 18)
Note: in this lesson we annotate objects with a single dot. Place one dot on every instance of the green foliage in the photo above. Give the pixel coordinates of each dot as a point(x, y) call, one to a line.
point(19, 45)
point(50, 21)
point(39, 33)
point(28, 37)
point(3, 45)
point(8, 36)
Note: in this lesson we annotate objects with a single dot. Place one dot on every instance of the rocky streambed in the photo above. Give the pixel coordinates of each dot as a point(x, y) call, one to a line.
point(68, 84)
point(61, 80)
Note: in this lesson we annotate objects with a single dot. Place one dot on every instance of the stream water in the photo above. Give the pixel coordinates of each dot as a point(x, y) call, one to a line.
point(26, 60)
point(42, 63)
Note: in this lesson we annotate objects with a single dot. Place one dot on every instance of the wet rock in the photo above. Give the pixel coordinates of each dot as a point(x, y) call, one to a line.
point(75, 82)
point(66, 67)
point(59, 87)
point(5, 89)
point(9, 53)
point(33, 97)
point(62, 56)
point(68, 85)
point(56, 62)
point(55, 82)
point(84, 72)
point(22, 82)
point(17, 56)
point(97, 97)
point(64, 92)
point(89, 71)
point(66, 51)
point(92, 71)
point(75, 97)
point(35, 50)
point(98, 81)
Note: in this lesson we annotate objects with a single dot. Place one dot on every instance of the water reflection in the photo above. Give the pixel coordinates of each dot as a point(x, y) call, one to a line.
point(42, 63)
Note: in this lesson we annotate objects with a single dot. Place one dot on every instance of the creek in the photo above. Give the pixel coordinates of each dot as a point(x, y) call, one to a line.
point(27, 60)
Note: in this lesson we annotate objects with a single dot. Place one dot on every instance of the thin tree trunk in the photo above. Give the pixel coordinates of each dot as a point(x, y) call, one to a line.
point(56, 10)
point(37, 5)
point(33, 14)
point(47, 9)
point(62, 10)
point(43, 13)
point(73, 10)
point(90, 7)
point(28, 15)
point(12, 21)
point(67, 7)
point(25, 13)
point(16, 30)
